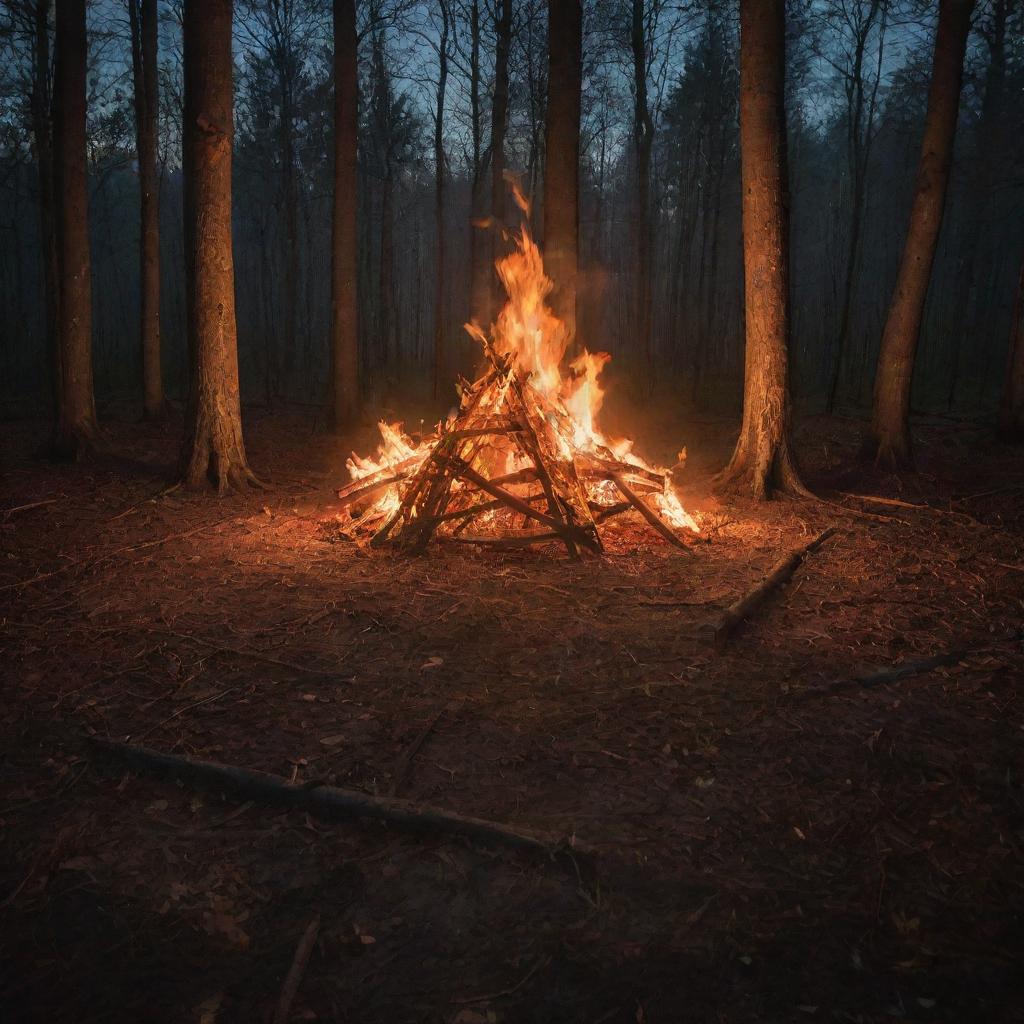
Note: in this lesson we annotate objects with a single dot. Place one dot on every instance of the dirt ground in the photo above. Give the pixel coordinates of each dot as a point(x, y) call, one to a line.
point(765, 848)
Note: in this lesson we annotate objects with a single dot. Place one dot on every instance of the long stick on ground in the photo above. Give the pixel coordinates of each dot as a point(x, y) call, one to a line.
point(781, 571)
point(327, 801)
point(296, 971)
point(901, 670)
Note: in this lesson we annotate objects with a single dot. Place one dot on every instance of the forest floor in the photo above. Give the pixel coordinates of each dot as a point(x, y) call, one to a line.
point(764, 849)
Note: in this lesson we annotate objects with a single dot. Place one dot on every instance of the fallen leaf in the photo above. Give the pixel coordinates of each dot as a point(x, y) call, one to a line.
point(332, 741)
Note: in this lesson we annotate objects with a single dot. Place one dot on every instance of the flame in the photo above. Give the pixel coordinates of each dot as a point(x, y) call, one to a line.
point(528, 335)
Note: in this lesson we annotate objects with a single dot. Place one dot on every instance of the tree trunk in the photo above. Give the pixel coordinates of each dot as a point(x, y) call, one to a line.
point(344, 399)
point(499, 124)
point(214, 450)
point(76, 421)
point(888, 439)
point(440, 361)
point(42, 131)
point(479, 242)
point(1011, 410)
point(562, 157)
point(643, 139)
point(763, 460)
point(144, 75)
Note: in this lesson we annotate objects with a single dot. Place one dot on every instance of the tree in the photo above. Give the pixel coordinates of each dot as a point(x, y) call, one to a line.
point(643, 140)
point(76, 419)
point(499, 124)
point(562, 156)
point(214, 450)
point(142, 18)
point(888, 439)
point(763, 459)
point(440, 176)
point(1011, 409)
point(344, 396)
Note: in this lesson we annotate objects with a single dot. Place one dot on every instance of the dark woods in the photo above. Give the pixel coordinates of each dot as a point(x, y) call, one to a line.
point(370, 138)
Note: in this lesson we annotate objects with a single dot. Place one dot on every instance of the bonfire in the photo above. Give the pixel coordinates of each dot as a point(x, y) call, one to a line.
point(522, 461)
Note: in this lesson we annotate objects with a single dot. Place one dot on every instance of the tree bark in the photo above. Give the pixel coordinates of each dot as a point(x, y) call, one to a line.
point(479, 243)
point(499, 125)
point(1011, 409)
point(214, 450)
point(76, 420)
point(42, 130)
point(142, 16)
point(344, 398)
point(763, 460)
point(888, 439)
point(440, 361)
point(562, 157)
point(643, 139)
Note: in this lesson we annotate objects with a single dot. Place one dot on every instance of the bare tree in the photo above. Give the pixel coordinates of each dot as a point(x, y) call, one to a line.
point(888, 439)
point(76, 421)
point(344, 391)
point(763, 459)
point(562, 156)
point(142, 18)
point(1011, 408)
point(643, 140)
point(499, 125)
point(440, 177)
point(214, 450)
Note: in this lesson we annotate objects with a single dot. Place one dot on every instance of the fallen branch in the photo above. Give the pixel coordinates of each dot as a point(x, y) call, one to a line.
point(901, 670)
point(781, 571)
point(405, 761)
point(296, 971)
point(327, 801)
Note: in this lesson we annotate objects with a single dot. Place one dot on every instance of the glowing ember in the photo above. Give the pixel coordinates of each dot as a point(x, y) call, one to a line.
point(524, 449)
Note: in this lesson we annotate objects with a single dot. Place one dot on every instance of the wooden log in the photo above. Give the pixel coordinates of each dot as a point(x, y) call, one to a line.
point(326, 801)
point(523, 539)
point(351, 496)
point(562, 529)
point(386, 475)
point(648, 513)
point(781, 571)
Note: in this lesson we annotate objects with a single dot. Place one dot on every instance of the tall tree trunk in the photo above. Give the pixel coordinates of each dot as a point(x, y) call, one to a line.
point(1011, 409)
point(76, 420)
point(289, 203)
point(643, 139)
point(888, 439)
point(499, 124)
point(479, 241)
point(42, 131)
point(966, 307)
point(214, 450)
point(763, 460)
point(344, 397)
point(440, 360)
point(142, 16)
point(562, 157)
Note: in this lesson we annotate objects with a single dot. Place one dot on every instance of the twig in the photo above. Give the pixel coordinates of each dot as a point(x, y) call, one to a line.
point(296, 971)
point(24, 508)
point(328, 801)
point(505, 991)
point(112, 554)
point(781, 571)
point(187, 707)
point(405, 761)
point(901, 670)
